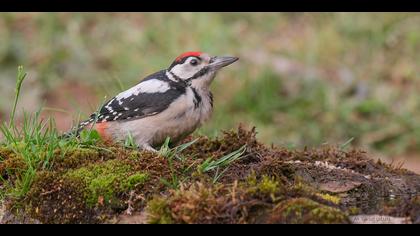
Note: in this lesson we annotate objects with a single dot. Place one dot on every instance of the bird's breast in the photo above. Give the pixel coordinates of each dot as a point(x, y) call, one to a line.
point(191, 109)
point(184, 115)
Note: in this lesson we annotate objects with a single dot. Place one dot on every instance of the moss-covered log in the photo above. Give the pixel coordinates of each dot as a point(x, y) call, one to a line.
point(112, 184)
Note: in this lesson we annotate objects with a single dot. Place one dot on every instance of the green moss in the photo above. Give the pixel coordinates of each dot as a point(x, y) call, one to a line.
point(301, 188)
point(75, 158)
point(5, 152)
point(134, 180)
point(159, 211)
point(104, 180)
point(353, 211)
point(266, 186)
point(135, 155)
point(330, 198)
point(11, 164)
point(199, 203)
point(306, 211)
point(53, 200)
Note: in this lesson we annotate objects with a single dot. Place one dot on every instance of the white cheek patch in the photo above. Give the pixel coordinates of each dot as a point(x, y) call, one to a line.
point(148, 86)
point(184, 71)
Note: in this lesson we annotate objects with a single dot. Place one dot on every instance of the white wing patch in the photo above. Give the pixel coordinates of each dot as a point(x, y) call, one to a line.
point(148, 86)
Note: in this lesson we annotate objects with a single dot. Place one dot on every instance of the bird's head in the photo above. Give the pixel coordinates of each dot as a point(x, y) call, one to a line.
point(197, 68)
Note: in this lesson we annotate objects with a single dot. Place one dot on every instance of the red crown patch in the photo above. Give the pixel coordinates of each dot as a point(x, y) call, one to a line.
point(188, 54)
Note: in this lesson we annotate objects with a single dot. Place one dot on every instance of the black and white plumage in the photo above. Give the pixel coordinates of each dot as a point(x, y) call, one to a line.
point(169, 103)
point(151, 96)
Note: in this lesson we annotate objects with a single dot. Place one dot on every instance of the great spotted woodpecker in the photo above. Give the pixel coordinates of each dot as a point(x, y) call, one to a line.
point(169, 103)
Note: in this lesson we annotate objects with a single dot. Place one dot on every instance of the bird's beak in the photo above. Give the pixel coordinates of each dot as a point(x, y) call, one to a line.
point(217, 63)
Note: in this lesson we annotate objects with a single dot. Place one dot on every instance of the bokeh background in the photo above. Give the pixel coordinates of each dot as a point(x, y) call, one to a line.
point(304, 79)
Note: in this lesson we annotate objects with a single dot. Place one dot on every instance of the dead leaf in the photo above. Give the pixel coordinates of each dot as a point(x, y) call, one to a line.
point(101, 200)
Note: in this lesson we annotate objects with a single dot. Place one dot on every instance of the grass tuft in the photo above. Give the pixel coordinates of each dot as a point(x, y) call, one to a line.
point(209, 164)
point(35, 142)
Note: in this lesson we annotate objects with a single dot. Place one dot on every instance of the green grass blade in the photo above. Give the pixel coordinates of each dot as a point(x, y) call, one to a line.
point(20, 78)
point(184, 146)
point(209, 165)
point(344, 145)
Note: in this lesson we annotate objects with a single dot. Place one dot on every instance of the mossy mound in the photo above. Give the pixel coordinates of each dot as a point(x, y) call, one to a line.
point(111, 184)
point(244, 202)
point(305, 211)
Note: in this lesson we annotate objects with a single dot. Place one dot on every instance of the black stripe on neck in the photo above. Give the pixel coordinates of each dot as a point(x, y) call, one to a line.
point(197, 98)
point(179, 80)
point(175, 76)
point(200, 73)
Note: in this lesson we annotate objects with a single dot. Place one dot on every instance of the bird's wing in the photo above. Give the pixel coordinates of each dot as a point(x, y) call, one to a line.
point(150, 97)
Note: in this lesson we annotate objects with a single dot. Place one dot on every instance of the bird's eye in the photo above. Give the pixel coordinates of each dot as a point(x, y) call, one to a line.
point(194, 62)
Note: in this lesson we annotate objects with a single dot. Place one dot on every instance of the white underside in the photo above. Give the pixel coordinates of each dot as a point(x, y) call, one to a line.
point(176, 122)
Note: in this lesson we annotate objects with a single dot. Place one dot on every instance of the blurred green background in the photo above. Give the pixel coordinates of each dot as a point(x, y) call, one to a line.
point(304, 79)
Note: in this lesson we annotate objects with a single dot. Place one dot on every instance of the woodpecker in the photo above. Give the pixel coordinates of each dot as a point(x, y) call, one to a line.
point(169, 103)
